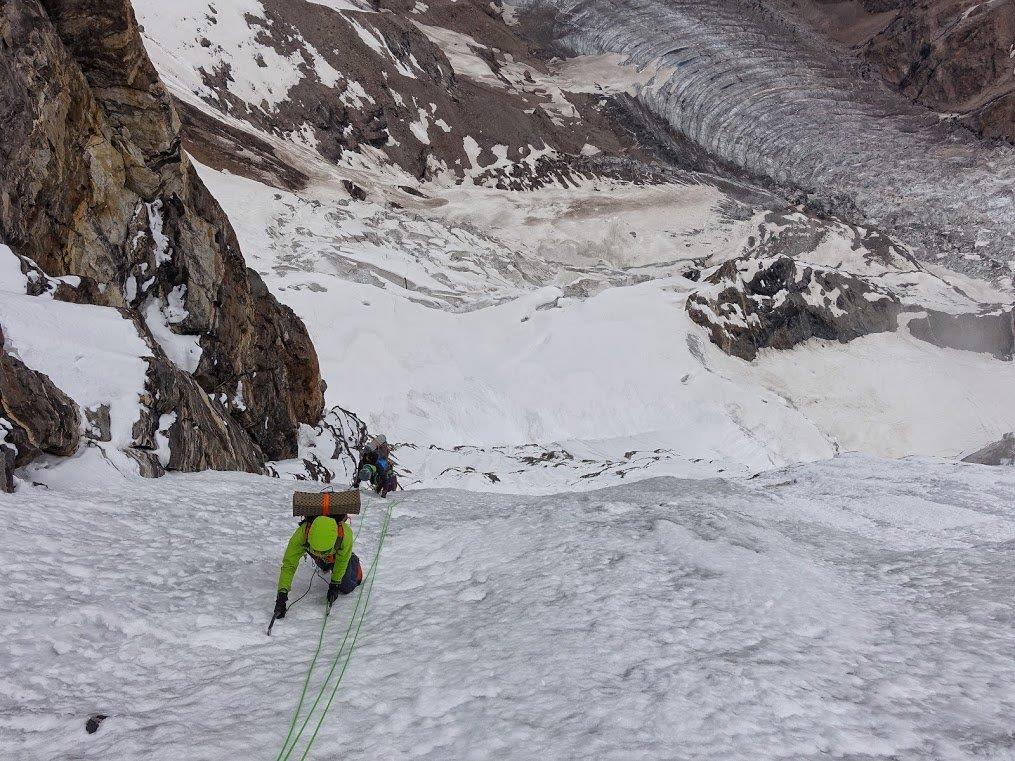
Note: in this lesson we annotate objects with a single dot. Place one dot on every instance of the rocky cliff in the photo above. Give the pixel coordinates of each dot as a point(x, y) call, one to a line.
point(954, 56)
point(97, 192)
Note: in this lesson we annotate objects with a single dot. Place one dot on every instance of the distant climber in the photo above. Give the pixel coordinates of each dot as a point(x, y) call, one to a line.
point(376, 466)
point(328, 541)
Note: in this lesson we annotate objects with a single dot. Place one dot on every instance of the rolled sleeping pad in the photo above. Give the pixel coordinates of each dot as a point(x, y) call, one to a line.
point(312, 504)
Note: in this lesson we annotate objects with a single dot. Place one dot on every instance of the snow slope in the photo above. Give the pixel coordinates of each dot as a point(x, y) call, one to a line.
point(850, 609)
point(490, 338)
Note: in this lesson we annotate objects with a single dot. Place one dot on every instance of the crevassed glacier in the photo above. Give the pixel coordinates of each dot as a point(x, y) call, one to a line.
point(742, 80)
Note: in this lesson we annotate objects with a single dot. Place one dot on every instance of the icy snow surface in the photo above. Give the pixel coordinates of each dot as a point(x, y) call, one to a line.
point(850, 609)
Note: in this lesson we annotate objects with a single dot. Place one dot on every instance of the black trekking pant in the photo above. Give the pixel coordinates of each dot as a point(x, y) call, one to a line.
point(353, 576)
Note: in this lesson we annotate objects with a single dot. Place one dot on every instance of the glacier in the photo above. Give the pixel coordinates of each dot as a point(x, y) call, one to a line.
point(747, 82)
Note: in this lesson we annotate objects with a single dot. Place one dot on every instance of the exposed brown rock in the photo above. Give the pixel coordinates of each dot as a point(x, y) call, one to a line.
point(96, 185)
point(42, 417)
point(953, 56)
point(222, 146)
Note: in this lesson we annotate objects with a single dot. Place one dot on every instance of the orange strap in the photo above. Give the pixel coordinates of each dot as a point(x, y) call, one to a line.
point(326, 503)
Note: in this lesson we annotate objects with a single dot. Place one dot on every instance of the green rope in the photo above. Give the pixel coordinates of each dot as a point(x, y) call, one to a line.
point(306, 682)
point(286, 752)
point(313, 662)
point(352, 647)
point(367, 585)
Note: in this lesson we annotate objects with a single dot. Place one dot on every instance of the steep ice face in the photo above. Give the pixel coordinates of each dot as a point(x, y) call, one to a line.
point(740, 79)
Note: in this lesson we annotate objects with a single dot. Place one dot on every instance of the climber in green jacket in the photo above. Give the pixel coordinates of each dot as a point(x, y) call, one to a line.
point(328, 541)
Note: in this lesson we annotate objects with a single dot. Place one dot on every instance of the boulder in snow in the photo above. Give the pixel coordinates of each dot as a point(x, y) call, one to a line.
point(999, 453)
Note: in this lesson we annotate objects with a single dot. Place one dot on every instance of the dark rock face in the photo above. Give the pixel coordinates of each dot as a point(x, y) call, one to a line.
point(750, 304)
point(7, 456)
point(39, 417)
point(991, 331)
point(999, 453)
point(95, 184)
point(953, 56)
point(200, 433)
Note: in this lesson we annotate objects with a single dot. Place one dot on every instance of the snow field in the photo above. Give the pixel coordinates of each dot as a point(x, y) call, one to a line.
point(609, 369)
point(853, 608)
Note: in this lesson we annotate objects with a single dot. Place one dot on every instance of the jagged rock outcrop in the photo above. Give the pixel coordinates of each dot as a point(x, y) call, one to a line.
point(35, 417)
point(180, 427)
point(750, 304)
point(999, 453)
point(96, 185)
point(329, 451)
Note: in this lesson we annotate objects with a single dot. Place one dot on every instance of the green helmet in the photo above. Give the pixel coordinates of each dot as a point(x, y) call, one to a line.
point(323, 534)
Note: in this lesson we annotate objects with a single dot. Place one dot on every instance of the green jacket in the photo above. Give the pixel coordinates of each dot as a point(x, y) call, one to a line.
point(299, 546)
